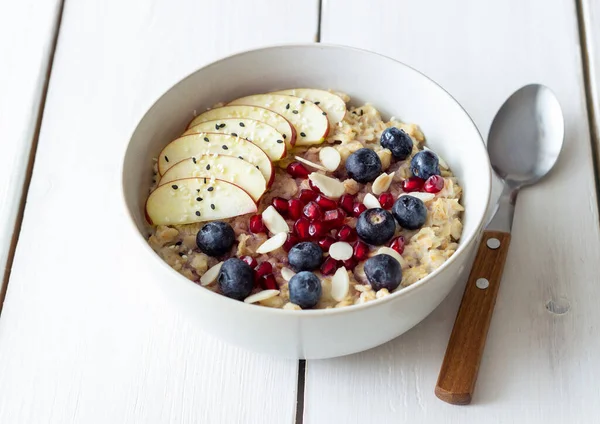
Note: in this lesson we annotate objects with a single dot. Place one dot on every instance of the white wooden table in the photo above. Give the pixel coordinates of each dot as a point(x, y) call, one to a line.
point(85, 339)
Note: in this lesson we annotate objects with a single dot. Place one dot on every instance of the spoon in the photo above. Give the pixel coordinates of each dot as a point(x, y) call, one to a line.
point(524, 143)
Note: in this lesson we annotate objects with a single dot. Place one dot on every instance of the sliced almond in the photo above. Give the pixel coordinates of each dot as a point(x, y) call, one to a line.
point(261, 295)
point(425, 197)
point(382, 183)
point(340, 283)
point(330, 187)
point(441, 161)
point(330, 158)
point(371, 201)
point(309, 163)
point(287, 273)
point(273, 243)
point(389, 251)
point(210, 276)
point(340, 251)
point(274, 221)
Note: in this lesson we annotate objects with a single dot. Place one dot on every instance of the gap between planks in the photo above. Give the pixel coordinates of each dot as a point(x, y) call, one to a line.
point(588, 86)
point(32, 152)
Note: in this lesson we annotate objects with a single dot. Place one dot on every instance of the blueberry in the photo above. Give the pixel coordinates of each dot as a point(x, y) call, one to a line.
point(215, 238)
point(425, 164)
point(305, 256)
point(305, 289)
point(398, 142)
point(383, 272)
point(236, 279)
point(410, 212)
point(376, 226)
point(363, 165)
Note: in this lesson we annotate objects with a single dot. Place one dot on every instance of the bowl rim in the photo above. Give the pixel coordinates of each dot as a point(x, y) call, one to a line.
point(251, 308)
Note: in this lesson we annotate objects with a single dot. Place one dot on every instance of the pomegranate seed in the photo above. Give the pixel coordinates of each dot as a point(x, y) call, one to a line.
point(301, 228)
point(329, 266)
point(386, 200)
point(346, 233)
point(361, 251)
point(295, 208)
point(307, 195)
point(256, 224)
point(312, 211)
point(334, 218)
point(268, 282)
point(358, 208)
point(317, 229)
point(314, 187)
point(398, 244)
point(263, 269)
point(347, 202)
point(434, 184)
point(290, 242)
point(250, 261)
point(280, 204)
point(349, 264)
point(297, 170)
point(412, 184)
point(326, 242)
point(325, 202)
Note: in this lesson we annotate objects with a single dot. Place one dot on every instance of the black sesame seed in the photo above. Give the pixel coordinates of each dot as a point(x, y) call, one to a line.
point(241, 157)
point(317, 103)
point(303, 134)
point(242, 124)
point(216, 126)
point(206, 139)
point(207, 167)
point(198, 199)
point(197, 213)
point(178, 243)
point(284, 136)
point(354, 112)
point(174, 187)
point(204, 183)
point(212, 206)
point(280, 141)
point(361, 112)
point(198, 190)
point(194, 159)
point(295, 112)
point(211, 188)
point(166, 158)
point(257, 167)
point(287, 106)
point(224, 147)
point(234, 134)
point(302, 102)
point(222, 126)
point(324, 113)
point(181, 253)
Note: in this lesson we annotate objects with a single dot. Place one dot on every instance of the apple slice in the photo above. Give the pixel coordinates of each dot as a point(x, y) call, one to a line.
point(333, 105)
point(196, 145)
point(251, 112)
point(263, 135)
point(226, 168)
point(196, 200)
point(307, 118)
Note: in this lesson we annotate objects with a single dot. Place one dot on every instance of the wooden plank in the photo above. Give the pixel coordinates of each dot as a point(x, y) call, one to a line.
point(27, 31)
point(540, 361)
point(84, 336)
point(590, 10)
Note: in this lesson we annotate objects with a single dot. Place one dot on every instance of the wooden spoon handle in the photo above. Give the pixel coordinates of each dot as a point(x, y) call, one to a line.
point(458, 374)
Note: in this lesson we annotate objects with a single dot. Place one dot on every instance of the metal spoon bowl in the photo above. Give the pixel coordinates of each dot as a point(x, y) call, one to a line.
point(524, 143)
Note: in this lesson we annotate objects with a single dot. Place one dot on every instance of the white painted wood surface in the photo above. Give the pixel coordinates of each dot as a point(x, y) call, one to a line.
point(83, 337)
point(591, 18)
point(538, 367)
point(26, 33)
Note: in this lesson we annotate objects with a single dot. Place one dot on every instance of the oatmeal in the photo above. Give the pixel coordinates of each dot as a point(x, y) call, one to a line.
point(294, 200)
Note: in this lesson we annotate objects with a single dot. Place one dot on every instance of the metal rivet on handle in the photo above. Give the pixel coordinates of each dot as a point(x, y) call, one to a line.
point(482, 283)
point(493, 243)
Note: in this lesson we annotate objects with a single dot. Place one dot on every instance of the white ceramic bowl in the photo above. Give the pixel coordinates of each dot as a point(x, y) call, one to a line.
point(393, 88)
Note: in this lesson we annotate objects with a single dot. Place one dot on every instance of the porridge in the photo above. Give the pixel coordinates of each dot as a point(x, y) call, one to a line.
point(295, 200)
